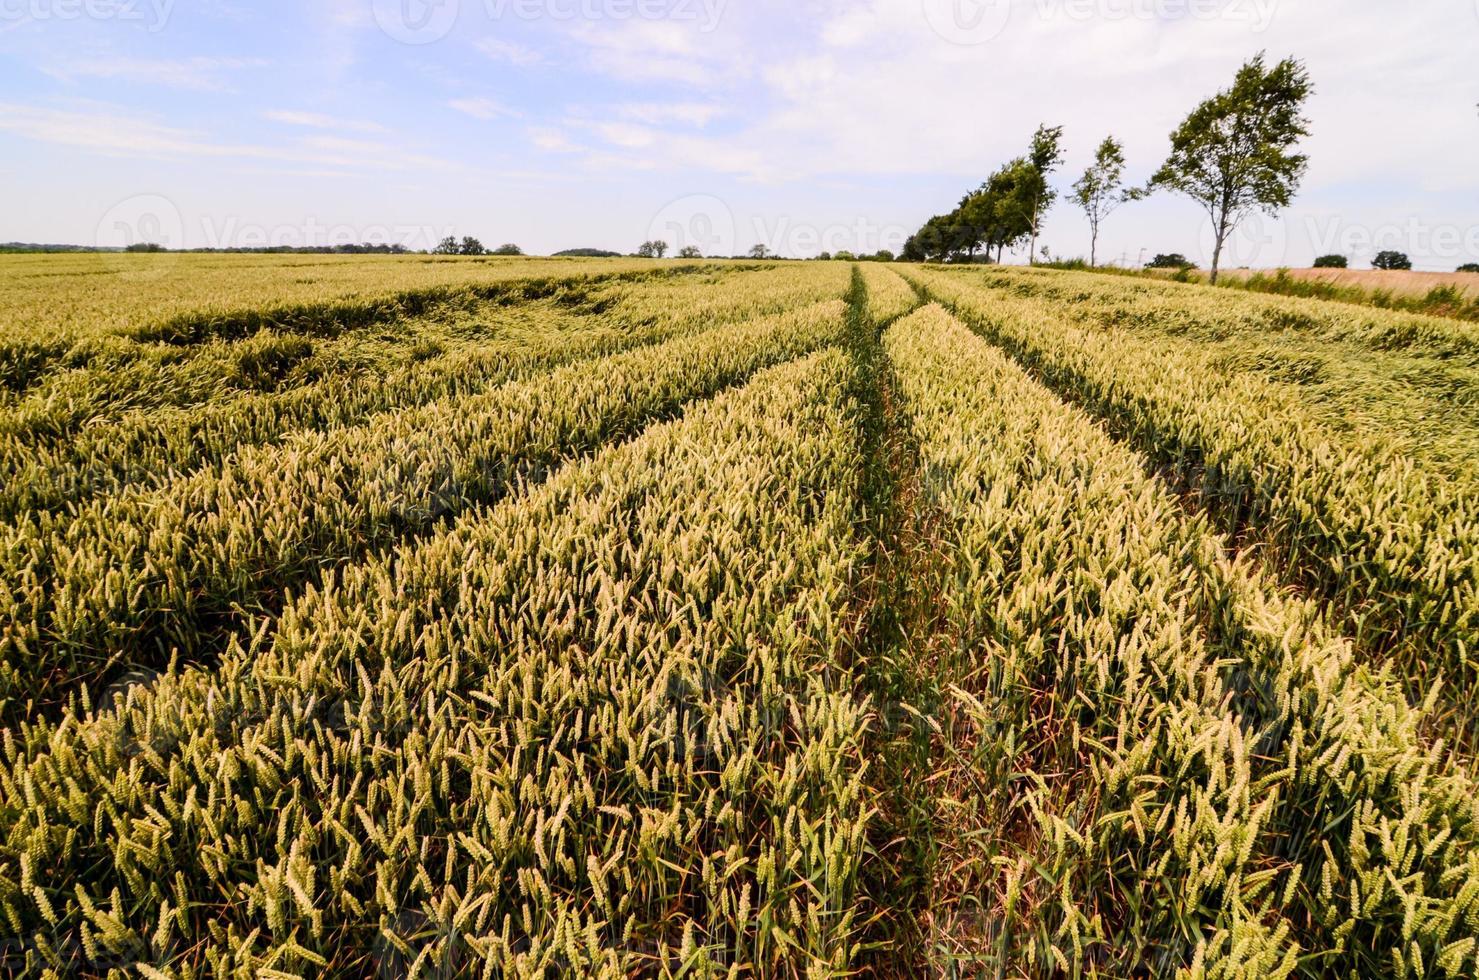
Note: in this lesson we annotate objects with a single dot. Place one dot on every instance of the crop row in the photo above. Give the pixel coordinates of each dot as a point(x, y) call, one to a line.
point(47, 462)
point(1394, 546)
point(105, 376)
point(1357, 372)
point(1175, 768)
point(602, 729)
point(133, 579)
point(889, 296)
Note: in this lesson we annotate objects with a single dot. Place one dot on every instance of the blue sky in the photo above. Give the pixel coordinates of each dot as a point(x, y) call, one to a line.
point(800, 124)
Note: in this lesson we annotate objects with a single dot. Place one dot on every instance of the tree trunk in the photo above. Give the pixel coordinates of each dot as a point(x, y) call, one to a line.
point(1094, 247)
point(1032, 246)
point(1217, 252)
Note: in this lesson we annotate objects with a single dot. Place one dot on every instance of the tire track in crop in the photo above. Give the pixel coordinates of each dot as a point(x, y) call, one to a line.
point(922, 921)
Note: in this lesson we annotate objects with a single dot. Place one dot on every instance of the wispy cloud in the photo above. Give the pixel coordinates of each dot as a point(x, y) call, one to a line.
point(662, 113)
point(481, 108)
point(552, 140)
point(314, 120)
point(107, 131)
point(509, 51)
point(200, 73)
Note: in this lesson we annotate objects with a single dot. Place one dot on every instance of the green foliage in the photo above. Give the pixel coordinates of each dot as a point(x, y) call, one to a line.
point(1174, 260)
point(1101, 190)
point(1331, 262)
point(1469, 267)
point(1234, 154)
point(1391, 261)
point(508, 249)
point(652, 250)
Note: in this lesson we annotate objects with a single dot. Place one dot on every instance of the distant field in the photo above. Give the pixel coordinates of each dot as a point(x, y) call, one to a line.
point(390, 617)
point(45, 296)
point(1401, 283)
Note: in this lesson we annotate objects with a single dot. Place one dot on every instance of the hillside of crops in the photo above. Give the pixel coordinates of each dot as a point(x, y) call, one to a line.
point(399, 617)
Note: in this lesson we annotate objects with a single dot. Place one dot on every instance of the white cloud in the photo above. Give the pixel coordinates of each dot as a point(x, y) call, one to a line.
point(660, 113)
point(201, 74)
point(313, 120)
point(481, 108)
point(508, 51)
point(109, 131)
point(551, 140)
point(627, 136)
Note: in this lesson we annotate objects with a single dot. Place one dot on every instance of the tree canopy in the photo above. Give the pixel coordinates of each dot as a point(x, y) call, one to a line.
point(1234, 154)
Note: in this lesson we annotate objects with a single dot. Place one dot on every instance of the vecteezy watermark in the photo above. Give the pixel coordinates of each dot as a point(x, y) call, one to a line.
point(967, 22)
point(145, 220)
point(1435, 243)
point(416, 21)
point(152, 15)
point(232, 233)
point(860, 236)
point(425, 21)
point(1258, 241)
point(698, 221)
point(972, 22)
point(706, 223)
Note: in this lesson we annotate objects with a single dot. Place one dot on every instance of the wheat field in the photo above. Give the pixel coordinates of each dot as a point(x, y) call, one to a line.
point(534, 618)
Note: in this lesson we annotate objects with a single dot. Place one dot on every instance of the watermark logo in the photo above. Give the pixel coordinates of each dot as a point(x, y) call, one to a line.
point(700, 221)
point(141, 220)
point(426, 21)
point(416, 21)
point(1436, 244)
point(152, 15)
point(967, 22)
point(1259, 241)
point(706, 13)
point(973, 22)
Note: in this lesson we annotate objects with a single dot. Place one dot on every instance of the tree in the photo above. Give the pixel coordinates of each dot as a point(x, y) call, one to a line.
point(447, 246)
point(1233, 154)
point(508, 249)
point(653, 250)
point(690, 252)
point(1013, 192)
point(825, 257)
point(144, 247)
point(471, 246)
point(1331, 262)
point(883, 255)
point(1099, 191)
point(1044, 157)
point(1391, 261)
point(1173, 261)
point(1469, 267)
point(760, 252)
